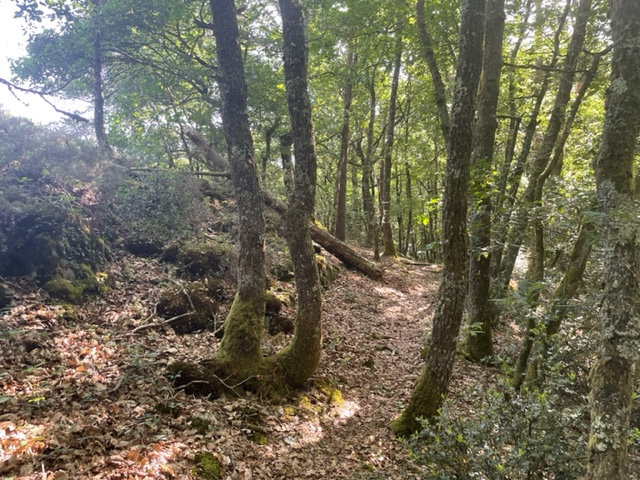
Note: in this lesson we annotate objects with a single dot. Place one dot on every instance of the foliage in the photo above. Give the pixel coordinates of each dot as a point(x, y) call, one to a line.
point(533, 435)
point(163, 205)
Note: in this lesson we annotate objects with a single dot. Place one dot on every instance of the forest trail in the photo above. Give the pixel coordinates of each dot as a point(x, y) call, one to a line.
point(85, 398)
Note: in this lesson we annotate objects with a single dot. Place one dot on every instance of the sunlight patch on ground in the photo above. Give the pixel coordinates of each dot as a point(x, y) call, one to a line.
point(20, 438)
point(346, 409)
point(389, 292)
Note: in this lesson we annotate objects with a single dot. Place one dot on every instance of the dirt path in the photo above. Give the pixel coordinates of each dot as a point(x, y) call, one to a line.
point(83, 398)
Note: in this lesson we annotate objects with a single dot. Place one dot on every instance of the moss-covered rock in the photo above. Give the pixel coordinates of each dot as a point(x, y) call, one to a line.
point(208, 467)
point(74, 285)
point(49, 241)
point(198, 260)
point(199, 302)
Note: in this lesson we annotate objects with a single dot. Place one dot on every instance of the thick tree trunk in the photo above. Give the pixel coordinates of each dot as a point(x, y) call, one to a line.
point(240, 351)
point(479, 343)
point(301, 357)
point(434, 380)
point(340, 221)
point(614, 375)
point(385, 181)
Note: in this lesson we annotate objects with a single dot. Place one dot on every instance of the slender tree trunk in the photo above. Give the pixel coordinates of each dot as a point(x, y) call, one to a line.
point(98, 90)
point(385, 181)
point(368, 201)
point(340, 221)
point(286, 141)
point(300, 359)
point(240, 351)
point(533, 193)
point(440, 95)
point(614, 375)
point(433, 382)
point(563, 293)
point(479, 343)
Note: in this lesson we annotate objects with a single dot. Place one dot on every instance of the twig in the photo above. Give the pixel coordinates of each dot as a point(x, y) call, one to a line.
point(160, 324)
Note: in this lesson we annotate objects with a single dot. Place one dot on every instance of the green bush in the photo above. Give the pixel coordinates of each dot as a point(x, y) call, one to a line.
point(532, 435)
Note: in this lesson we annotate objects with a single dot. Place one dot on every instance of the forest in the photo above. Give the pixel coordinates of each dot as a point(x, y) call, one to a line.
point(350, 239)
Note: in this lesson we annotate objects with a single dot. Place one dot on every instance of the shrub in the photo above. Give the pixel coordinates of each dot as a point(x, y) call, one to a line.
point(532, 435)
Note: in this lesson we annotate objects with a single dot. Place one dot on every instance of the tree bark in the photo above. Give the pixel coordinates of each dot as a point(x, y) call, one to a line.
point(299, 360)
point(240, 351)
point(385, 180)
point(614, 375)
point(341, 183)
point(479, 343)
point(434, 380)
point(286, 140)
point(439, 91)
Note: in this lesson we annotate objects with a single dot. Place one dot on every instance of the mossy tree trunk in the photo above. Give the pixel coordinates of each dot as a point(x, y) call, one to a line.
point(240, 352)
point(434, 380)
point(300, 359)
point(614, 375)
point(479, 342)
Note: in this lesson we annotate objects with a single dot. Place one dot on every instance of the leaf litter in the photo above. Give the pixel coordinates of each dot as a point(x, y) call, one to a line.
point(84, 397)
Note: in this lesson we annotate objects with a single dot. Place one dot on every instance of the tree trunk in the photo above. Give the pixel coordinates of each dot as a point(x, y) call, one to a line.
point(98, 90)
point(301, 357)
point(286, 141)
point(240, 351)
point(440, 95)
point(504, 258)
point(434, 380)
point(479, 343)
point(331, 244)
point(614, 375)
point(341, 183)
point(385, 181)
point(368, 201)
point(538, 164)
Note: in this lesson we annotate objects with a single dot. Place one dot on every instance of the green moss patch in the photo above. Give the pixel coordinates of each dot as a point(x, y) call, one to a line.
point(208, 467)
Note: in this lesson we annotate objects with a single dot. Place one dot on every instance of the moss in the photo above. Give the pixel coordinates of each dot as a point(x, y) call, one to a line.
point(63, 289)
point(208, 467)
point(260, 438)
point(240, 347)
point(201, 425)
point(334, 395)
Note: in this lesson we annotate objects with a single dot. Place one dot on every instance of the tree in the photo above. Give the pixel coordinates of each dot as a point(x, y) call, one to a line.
point(433, 382)
point(479, 342)
point(614, 375)
point(240, 350)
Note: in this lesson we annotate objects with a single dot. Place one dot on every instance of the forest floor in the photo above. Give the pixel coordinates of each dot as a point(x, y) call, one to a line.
point(86, 396)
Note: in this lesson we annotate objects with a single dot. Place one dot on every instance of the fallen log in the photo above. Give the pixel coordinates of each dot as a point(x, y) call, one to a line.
point(343, 252)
